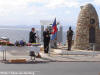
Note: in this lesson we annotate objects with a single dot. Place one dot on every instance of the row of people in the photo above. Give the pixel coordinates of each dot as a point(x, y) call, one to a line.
point(46, 38)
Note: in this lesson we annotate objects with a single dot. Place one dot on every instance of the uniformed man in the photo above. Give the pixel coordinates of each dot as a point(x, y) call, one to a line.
point(46, 40)
point(69, 38)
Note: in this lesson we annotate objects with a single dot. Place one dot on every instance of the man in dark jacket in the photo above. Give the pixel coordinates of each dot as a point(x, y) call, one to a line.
point(69, 38)
point(32, 36)
point(46, 40)
point(32, 39)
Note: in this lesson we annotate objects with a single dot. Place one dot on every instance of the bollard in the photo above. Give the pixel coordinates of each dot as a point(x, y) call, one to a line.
point(93, 49)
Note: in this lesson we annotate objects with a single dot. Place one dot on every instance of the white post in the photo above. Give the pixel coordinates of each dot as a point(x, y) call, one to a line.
point(93, 50)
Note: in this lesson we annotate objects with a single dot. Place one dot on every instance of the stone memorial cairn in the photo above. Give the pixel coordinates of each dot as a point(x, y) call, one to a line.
point(87, 30)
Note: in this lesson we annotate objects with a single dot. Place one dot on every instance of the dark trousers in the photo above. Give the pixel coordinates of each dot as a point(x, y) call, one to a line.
point(46, 46)
point(32, 41)
point(69, 44)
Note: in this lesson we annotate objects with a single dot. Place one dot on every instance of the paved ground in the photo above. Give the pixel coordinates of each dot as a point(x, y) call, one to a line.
point(54, 68)
point(58, 55)
point(72, 63)
point(74, 55)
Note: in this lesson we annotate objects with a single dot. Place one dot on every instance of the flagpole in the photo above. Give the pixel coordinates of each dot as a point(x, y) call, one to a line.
point(54, 35)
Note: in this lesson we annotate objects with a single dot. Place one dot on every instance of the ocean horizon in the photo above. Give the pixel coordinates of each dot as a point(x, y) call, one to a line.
point(17, 33)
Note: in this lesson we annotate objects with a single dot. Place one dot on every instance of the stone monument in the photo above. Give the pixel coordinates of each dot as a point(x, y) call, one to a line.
point(87, 30)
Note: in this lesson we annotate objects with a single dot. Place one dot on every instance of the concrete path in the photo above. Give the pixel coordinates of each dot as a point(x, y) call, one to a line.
point(58, 56)
point(74, 55)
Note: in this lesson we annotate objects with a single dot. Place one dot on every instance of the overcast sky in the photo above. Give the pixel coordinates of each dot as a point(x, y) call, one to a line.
point(30, 12)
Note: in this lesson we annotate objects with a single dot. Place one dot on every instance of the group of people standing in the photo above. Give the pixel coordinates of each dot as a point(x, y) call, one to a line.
point(46, 38)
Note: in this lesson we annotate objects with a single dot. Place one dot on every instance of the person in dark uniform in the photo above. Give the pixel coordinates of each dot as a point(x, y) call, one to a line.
point(69, 38)
point(46, 40)
point(32, 36)
point(32, 39)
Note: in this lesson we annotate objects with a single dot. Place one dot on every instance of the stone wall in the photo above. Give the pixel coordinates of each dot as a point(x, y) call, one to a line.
point(83, 25)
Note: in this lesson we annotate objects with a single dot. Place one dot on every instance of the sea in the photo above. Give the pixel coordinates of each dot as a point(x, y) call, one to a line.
point(17, 33)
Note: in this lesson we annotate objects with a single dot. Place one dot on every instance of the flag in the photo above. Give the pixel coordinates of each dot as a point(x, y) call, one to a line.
point(54, 30)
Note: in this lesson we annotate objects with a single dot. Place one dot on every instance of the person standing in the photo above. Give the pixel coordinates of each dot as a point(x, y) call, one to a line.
point(46, 40)
point(32, 39)
point(69, 38)
point(32, 36)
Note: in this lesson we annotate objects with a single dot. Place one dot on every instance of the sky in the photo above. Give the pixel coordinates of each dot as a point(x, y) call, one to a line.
point(30, 12)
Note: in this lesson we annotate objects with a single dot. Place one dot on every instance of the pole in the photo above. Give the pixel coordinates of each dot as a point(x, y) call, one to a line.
point(93, 50)
point(3, 55)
